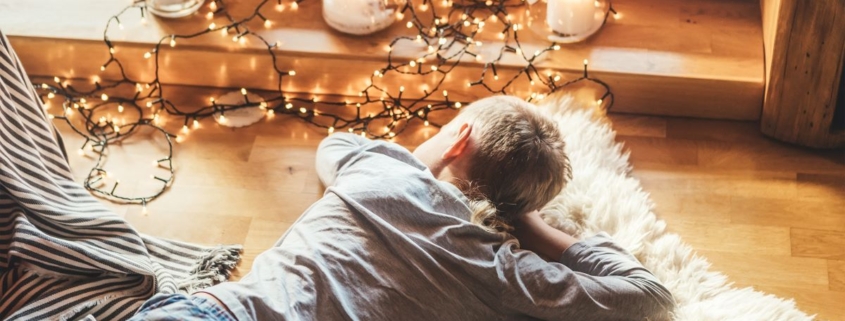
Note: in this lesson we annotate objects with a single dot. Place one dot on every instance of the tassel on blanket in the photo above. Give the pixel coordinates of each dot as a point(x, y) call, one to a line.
point(213, 267)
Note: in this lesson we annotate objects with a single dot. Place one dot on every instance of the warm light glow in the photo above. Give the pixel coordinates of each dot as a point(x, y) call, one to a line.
point(331, 130)
point(243, 91)
point(585, 62)
point(409, 25)
point(56, 79)
point(51, 95)
point(267, 23)
point(288, 106)
point(424, 7)
point(212, 26)
point(445, 93)
point(147, 55)
point(292, 73)
point(458, 105)
point(294, 5)
point(401, 88)
point(172, 42)
point(302, 110)
point(280, 7)
point(119, 108)
point(185, 129)
point(196, 124)
point(598, 102)
point(412, 63)
point(104, 97)
point(209, 15)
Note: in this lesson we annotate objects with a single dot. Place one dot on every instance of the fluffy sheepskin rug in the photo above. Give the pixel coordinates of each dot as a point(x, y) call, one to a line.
point(603, 197)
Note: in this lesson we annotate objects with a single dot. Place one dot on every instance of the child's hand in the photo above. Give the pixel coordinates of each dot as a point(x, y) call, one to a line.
point(535, 235)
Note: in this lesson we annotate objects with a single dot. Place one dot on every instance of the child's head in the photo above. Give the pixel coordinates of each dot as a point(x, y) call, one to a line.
point(504, 155)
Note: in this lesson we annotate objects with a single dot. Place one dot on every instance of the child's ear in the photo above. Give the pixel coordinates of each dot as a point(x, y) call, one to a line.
point(460, 142)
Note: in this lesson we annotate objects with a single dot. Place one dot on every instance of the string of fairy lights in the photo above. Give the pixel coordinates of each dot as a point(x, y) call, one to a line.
point(449, 34)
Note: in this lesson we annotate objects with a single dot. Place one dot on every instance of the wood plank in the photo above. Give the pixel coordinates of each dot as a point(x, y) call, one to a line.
point(821, 186)
point(734, 238)
point(683, 75)
point(836, 275)
point(198, 227)
point(743, 269)
point(780, 212)
point(262, 235)
point(826, 305)
point(660, 150)
point(808, 56)
point(641, 126)
point(817, 243)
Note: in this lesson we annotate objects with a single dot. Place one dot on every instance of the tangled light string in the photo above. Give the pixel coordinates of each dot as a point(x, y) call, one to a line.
point(448, 42)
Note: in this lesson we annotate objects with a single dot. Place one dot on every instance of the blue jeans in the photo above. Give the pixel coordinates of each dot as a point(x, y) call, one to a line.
point(180, 307)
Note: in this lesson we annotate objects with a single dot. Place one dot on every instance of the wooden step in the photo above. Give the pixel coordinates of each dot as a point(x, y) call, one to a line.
point(691, 58)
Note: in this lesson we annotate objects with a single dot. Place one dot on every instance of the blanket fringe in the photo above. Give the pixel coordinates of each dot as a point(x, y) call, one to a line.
point(213, 267)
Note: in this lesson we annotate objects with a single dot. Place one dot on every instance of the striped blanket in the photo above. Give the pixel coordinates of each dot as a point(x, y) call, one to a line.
point(63, 255)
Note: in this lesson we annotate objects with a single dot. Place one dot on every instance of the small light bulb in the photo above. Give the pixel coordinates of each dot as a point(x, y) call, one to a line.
point(56, 79)
point(426, 123)
point(172, 42)
point(103, 67)
point(147, 55)
point(222, 118)
point(149, 104)
point(302, 110)
point(81, 152)
point(292, 73)
point(585, 62)
point(280, 7)
point(598, 102)
point(267, 23)
point(556, 47)
point(243, 91)
point(391, 134)
point(185, 129)
point(120, 26)
point(212, 26)
point(104, 97)
point(409, 25)
point(433, 68)
point(331, 130)
point(412, 63)
point(288, 106)
point(495, 77)
point(445, 93)
point(294, 5)
point(458, 105)
point(401, 88)
point(119, 108)
point(196, 123)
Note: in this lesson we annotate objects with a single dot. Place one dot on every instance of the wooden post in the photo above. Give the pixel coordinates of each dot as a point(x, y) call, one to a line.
point(805, 54)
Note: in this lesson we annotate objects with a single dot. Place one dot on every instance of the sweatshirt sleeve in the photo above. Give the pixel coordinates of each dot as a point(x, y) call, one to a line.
point(595, 280)
point(334, 152)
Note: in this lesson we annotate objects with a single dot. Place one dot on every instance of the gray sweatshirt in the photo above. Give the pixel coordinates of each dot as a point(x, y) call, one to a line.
point(388, 241)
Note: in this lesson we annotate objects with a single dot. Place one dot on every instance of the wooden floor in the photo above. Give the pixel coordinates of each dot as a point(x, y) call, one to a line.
point(766, 214)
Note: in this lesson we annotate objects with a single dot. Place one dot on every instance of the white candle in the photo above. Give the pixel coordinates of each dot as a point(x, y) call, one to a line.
point(571, 17)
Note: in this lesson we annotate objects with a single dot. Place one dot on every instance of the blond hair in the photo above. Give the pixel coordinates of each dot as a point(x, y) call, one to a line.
point(518, 164)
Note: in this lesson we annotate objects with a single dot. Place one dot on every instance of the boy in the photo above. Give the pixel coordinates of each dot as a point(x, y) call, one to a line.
point(450, 232)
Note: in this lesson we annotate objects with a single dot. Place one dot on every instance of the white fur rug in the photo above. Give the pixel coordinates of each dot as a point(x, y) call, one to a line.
point(603, 197)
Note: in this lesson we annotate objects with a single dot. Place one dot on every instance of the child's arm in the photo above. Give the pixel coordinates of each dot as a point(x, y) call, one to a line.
point(334, 152)
point(597, 281)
